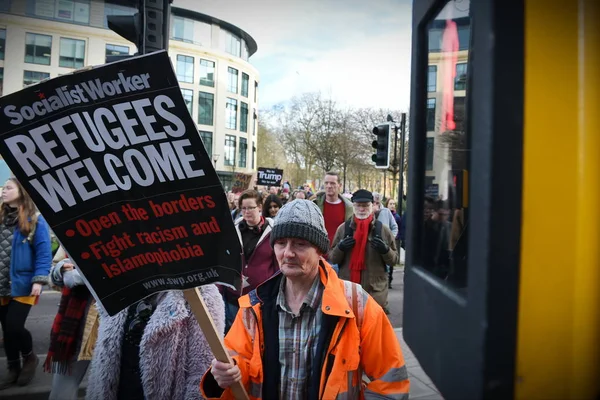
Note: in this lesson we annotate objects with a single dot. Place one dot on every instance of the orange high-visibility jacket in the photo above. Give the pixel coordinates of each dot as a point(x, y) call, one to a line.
point(374, 349)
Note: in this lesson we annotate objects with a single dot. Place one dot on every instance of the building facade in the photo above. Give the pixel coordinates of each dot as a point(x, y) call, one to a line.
point(42, 39)
point(447, 145)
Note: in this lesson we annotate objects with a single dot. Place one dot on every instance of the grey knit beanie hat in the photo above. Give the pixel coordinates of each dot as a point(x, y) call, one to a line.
point(301, 219)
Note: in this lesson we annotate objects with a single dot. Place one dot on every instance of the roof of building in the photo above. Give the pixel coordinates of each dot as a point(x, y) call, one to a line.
point(184, 12)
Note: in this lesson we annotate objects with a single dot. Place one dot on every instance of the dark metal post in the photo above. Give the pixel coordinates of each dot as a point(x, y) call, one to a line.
point(401, 167)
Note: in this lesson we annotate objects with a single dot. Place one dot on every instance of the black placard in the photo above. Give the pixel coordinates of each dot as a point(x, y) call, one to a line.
point(269, 176)
point(113, 161)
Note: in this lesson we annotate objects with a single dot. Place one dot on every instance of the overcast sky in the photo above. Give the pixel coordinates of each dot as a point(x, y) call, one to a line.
point(356, 51)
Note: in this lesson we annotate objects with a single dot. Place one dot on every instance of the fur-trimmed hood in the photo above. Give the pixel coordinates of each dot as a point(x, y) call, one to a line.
point(173, 352)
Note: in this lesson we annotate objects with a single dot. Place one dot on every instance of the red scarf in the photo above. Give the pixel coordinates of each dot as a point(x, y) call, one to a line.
point(67, 329)
point(357, 258)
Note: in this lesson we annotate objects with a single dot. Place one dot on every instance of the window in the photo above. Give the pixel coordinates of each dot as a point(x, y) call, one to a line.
point(115, 9)
point(242, 153)
point(254, 124)
point(429, 154)
point(252, 155)
point(183, 29)
point(116, 50)
point(459, 113)
point(2, 43)
point(245, 51)
point(77, 11)
point(432, 78)
point(243, 117)
point(203, 33)
point(207, 73)
point(5, 5)
point(460, 80)
point(231, 114)
point(185, 68)
point(435, 40)
point(232, 80)
point(430, 114)
point(232, 44)
point(207, 141)
point(464, 35)
point(205, 108)
point(255, 90)
point(38, 48)
point(188, 97)
point(72, 53)
point(74, 11)
point(245, 80)
point(1, 81)
point(31, 77)
point(229, 150)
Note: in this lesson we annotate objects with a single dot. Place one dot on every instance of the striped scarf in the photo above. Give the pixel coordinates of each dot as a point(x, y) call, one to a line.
point(66, 329)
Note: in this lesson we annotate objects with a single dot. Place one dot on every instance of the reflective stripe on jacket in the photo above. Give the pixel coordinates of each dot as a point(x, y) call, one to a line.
point(375, 349)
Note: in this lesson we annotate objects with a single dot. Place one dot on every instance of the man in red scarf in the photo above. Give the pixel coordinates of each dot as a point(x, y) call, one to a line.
point(363, 246)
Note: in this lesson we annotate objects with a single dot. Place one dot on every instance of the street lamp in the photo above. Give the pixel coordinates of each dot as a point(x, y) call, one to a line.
point(215, 158)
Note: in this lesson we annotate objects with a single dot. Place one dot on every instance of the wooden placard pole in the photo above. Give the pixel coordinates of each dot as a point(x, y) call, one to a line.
point(198, 307)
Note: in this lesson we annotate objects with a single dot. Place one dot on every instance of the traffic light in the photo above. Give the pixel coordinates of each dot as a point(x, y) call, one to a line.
point(148, 29)
point(382, 156)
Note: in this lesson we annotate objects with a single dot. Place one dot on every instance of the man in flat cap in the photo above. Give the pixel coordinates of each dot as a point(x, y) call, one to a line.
point(363, 246)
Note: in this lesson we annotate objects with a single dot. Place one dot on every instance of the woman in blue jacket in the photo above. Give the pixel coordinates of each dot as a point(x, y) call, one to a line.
point(25, 260)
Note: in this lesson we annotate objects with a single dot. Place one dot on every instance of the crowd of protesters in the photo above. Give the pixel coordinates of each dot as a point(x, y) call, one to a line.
point(308, 322)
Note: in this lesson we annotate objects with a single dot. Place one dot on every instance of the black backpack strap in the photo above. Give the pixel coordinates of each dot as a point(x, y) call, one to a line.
point(347, 228)
point(378, 228)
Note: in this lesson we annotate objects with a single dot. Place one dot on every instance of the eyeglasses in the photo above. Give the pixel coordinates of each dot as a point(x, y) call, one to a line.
point(245, 209)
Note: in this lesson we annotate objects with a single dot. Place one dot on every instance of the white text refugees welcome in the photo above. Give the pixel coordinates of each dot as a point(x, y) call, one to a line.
point(80, 93)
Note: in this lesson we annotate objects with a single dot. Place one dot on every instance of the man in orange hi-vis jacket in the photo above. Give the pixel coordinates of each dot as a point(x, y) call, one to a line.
point(305, 333)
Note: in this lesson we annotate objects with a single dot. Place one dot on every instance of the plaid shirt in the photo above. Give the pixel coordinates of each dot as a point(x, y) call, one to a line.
point(298, 337)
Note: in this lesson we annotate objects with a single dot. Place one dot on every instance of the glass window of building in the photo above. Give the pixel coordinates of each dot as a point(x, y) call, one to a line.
point(254, 124)
point(255, 90)
point(243, 117)
point(429, 154)
point(430, 115)
point(207, 138)
point(231, 114)
point(460, 79)
point(245, 51)
point(38, 48)
point(2, 43)
point(203, 33)
point(31, 77)
point(232, 80)
point(232, 44)
point(1, 81)
point(188, 97)
point(464, 33)
point(205, 108)
point(432, 78)
point(72, 53)
point(229, 150)
point(116, 50)
point(75, 11)
point(5, 5)
point(207, 73)
point(252, 155)
point(245, 80)
point(185, 68)
point(242, 155)
point(116, 9)
point(182, 29)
